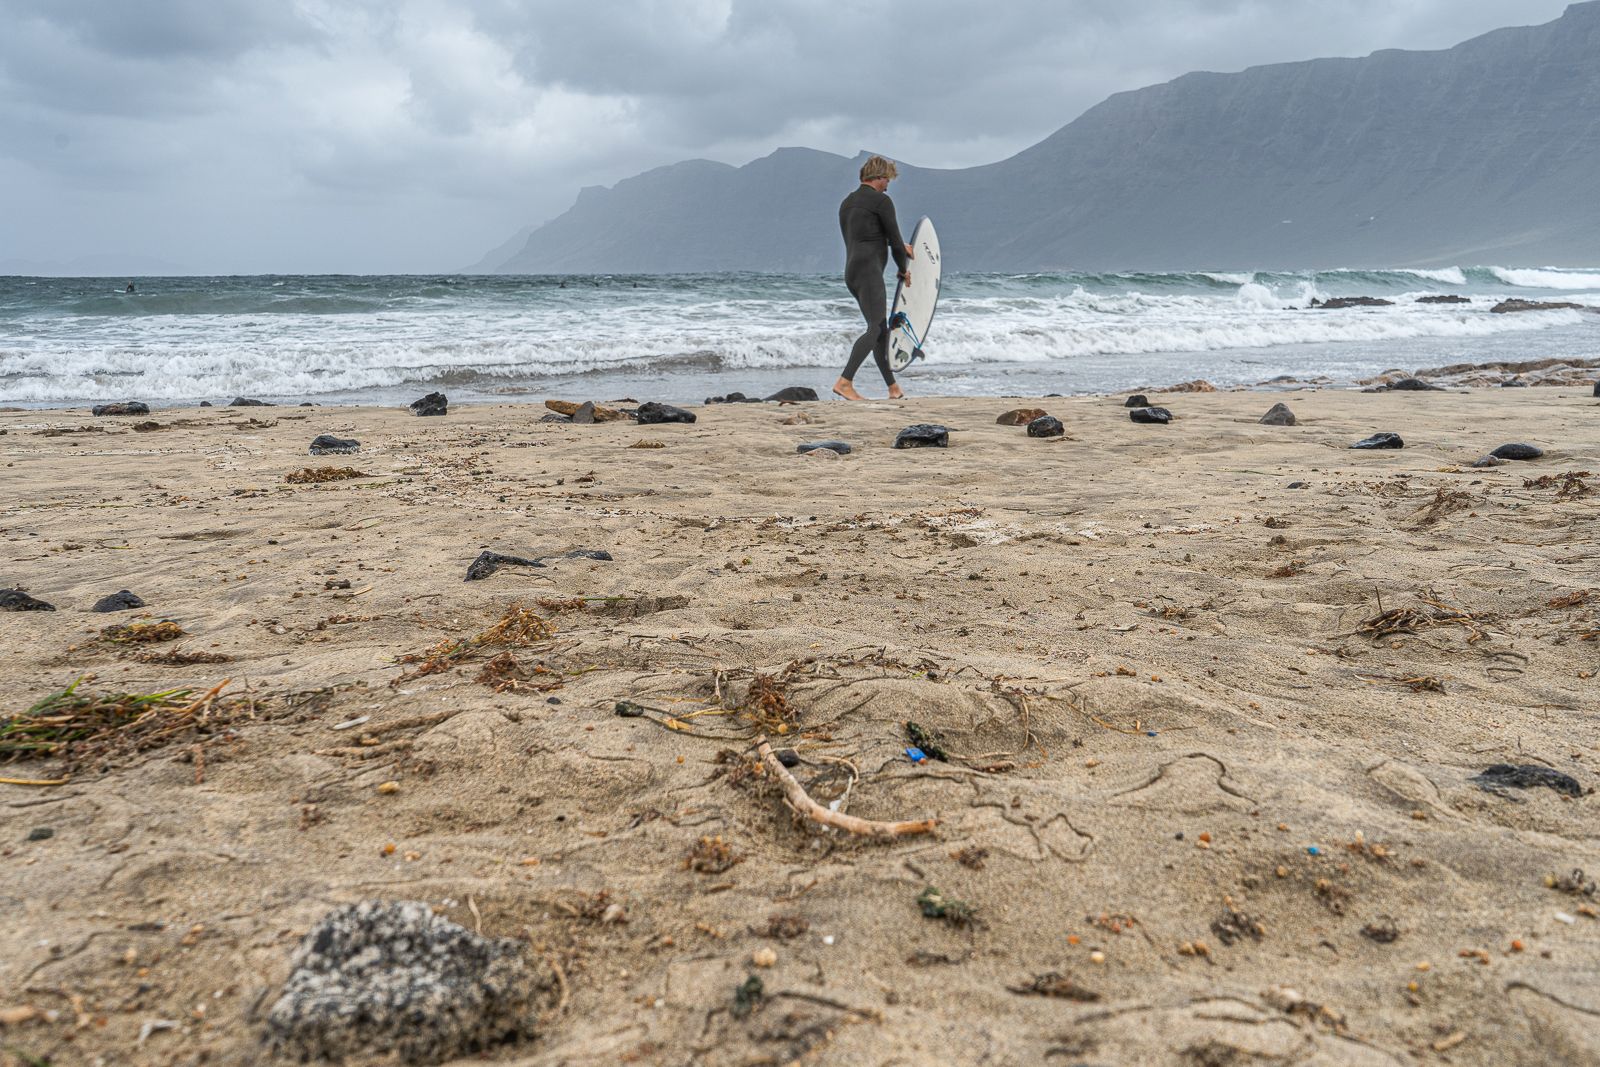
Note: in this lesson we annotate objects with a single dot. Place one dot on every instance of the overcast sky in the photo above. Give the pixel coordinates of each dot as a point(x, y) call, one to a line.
point(300, 136)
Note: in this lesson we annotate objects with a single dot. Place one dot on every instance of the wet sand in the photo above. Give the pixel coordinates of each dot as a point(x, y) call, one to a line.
point(1187, 773)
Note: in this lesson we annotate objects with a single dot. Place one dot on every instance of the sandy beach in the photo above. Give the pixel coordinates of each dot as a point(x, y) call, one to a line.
point(1211, 697)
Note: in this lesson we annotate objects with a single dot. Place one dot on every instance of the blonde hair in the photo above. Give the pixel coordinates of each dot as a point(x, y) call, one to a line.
point(878, 167)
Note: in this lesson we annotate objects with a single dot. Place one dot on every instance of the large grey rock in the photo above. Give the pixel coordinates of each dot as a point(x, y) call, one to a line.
point(394, 979)
point(1278, 415)
point(1399, 157)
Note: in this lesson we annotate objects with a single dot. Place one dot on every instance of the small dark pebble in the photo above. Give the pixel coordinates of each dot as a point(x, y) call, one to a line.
point(489, 562)
point(923, 435)
point(652, 413)
point(122, 600)
point(788, 757)
point(1154, 416)
point(1137, 400)
point(552, 700)
point(627, 709)
point(328, 445)
point(1295, 485)
point(832, 446)
point(1489, 461)
point(1046, 426)
point(246, 402)
point(1517, 451)
point(431, 405)
point(17, 600)
point(41, 833)
point(1381, 440)
point(126, 407)
point(1527, 776)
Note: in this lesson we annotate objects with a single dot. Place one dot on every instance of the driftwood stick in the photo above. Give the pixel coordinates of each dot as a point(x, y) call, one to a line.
point(802, 802)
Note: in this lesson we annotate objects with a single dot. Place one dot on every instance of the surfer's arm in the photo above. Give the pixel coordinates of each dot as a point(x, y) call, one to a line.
point(891, 230)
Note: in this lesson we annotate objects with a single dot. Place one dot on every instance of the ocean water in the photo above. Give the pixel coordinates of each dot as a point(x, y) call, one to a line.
point(387, 339)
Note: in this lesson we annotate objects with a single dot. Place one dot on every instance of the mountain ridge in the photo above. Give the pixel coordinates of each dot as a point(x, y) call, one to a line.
point(1479, 153)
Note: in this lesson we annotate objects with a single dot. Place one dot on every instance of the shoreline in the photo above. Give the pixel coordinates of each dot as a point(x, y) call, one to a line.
point(1186, 752)
point(1549, 372)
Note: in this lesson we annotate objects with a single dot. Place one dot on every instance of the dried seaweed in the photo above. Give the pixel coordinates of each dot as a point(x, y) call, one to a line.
point(711, 855)
point(178, 657)
point(140, 633)
point(517, 628)
point(1444, 502)
point(1412, 620)
point(317, 475)
point(1059, 986)
point(766, 705)
point(1568, 486)
point(935, 905)
point(91, 728)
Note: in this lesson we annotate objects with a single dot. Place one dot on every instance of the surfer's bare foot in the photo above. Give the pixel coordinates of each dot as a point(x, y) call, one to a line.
point(896, 393)
point(844, 388)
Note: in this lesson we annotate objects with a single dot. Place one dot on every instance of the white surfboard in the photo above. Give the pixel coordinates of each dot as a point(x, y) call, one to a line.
point(912, 311)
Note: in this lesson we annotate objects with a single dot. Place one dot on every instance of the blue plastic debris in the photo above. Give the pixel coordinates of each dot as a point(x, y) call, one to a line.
point(1313, 850)
point(1150, 733)
point(916, 755)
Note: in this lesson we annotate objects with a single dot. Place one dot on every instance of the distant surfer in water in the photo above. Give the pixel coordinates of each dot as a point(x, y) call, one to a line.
point(871, 234)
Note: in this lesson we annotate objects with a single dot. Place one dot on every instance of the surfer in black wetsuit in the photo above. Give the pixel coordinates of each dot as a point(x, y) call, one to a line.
point(871, 234)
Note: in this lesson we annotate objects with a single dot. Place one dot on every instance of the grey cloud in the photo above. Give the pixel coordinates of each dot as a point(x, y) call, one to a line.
point(389, 134)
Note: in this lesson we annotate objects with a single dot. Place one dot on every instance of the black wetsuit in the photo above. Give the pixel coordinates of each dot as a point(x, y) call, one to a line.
point(871, 233)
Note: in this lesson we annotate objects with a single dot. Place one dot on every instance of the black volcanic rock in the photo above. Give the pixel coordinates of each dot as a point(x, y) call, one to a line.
point(1278, 415)
point(1137, 400)
point(1381, 440)
point(1339, 303)
point(17, 600)
point(432, 405)
point(1046, 426)
point(840, 447)
point(1408, 385)
point(1444, 299)
point(652, 413)
point(325, 444)
point(1511, 307)
point(1151, 416)
point(246, 402)
point(118, 601)
point(1517, 451)
point(923, 435)
point(125, 407)
point(489, 562)
point(794, 394)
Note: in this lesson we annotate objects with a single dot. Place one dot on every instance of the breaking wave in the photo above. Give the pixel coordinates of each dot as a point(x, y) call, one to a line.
point(64, 341)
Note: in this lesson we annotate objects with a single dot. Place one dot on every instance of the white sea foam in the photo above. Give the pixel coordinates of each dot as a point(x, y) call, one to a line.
point(1546, 278)
point(373, 337)
point(1447, 276)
